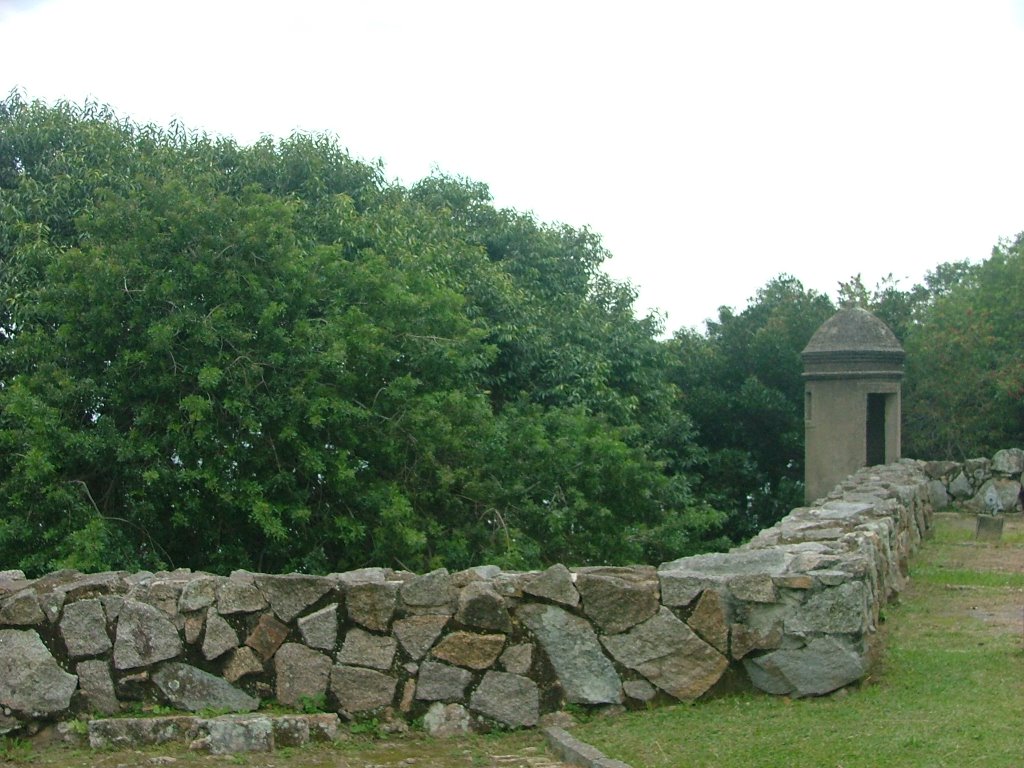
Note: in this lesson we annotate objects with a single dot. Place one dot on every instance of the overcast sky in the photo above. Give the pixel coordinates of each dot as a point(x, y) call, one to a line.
point(713, 144)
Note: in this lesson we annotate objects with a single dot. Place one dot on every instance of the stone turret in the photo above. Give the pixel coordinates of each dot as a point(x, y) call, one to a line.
point(853, 368)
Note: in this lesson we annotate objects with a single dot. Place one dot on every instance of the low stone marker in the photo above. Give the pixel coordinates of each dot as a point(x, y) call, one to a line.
point(989, 528)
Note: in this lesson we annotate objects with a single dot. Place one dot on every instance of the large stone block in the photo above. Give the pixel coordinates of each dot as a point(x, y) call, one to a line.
point(220, 637)
point(363, 649)
point(31, 681)
point(144, 636)
point(84, 629)
point(320, 629)
point(97, 686)
point(481, 607)
point(470, 650)
point(554, 584)
point(291, 594)
point(372, 604)
point(618, 598)
point(361, 690)
point(586, 675)
point(512, 700)
point(418, 633)
point(21, 609)
point(440, 682)
point(670, 655)
point(302, 674)
point(186, 687)
point(824, 665)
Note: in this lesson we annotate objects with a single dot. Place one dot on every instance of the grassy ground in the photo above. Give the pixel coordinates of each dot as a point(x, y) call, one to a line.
point(949, 691)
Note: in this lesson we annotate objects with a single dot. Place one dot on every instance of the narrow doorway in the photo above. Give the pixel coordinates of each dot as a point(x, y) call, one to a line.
point(876, 429)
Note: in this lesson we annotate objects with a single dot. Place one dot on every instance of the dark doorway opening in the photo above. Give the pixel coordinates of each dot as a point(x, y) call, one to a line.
point(876, 429)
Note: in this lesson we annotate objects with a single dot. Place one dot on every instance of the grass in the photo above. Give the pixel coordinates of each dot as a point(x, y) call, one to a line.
point(949, 690)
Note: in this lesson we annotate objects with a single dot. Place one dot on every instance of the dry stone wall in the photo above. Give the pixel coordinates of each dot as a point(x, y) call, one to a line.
point(990, 486)
point(793, 612)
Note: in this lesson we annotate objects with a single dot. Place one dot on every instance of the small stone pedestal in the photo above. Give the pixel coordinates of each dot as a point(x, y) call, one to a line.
point(989, 528)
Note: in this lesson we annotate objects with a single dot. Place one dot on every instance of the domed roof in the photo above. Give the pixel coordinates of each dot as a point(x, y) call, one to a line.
point(853, 329)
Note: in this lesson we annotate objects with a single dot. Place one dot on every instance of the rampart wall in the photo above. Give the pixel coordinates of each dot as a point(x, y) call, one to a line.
point(791, 612)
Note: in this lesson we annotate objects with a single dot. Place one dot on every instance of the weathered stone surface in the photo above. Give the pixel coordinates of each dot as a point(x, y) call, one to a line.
point(481, 607)
point(21, 609)
point(84, 629)
point(235, 735)
point(320, 629)
point(97, 687)
point(189, 688)
point(418, 633)
point(998, 495)
point(299, 730)
point(468, 649)
point(937, 494)
point(363, 649)
point(372, 604)
point(302, 673)
point(517, 659)
point(112, 605)
point(220, 637)
point(709, 620)
point(30, 678)
point(960, 487)
point(199, 593)
point(440, 682)
point(512, 700)
point(824, 665)
point(144, 636)
point(361, 690)
point(755, 587)
point(267, 636)
point(640, 690)
point(291, 594)
point(131, 733)
point(839, 610)
point(239, 594)
point(584, 672)
point(474, 573)
point(446, 720)
point(8, 724)
point(683, 580)
point(193, 627)
point(670, 655)
point(242, 661)
point(554, 584)
point(434, 590)
point(1009, 461)
point(618, 598)
point(746, 639)
point(979, 470)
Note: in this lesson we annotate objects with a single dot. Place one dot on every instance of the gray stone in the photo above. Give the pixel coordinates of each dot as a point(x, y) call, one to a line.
point(512, 700)
point(1009, 461)
point(440, 682)
point(220, 637)
point(979, 470)
point(754, 587)
point(112, 605)
point(192, 689)
point(746, 571)
point(239, 594)
point(418, 633)
point(998, 495)
point(298, 730)
point(586, 675)
point(554, 584)
point(434, 590)
point(483, 608)
point(132, 733)
point(475, 573)
point(31, 681)
point(144, 636)
point(363, 649)
point(21, 609)
point(97, 687)
point(372, 604)
point(302, 674)
point(824, 665)
point(84, 629)
point(517, 659)
point(446, 720)
point(242, 661)
point(291, 594)
point(989, 527)
point(839, 610)
point(361, 690)
point(746, 639)
point(961, 488)
point(618, 598)
point(267, 636)
point(938, 496)
point(468, 649)
point(199, 593)
point(235, 735)
point(670, 655)
point(193, 625)
point(320, 629)
point(640, 690)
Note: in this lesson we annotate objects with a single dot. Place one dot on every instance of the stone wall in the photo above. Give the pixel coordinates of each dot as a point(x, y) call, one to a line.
point(991, 486)
point(791, 612)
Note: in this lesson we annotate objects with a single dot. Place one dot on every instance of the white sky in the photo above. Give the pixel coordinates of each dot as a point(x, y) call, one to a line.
point(713, 144)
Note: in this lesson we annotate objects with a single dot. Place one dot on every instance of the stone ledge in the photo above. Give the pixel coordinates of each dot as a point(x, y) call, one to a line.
point(575, 752)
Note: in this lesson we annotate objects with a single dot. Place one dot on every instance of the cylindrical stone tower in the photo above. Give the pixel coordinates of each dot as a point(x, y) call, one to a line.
point(853, 366)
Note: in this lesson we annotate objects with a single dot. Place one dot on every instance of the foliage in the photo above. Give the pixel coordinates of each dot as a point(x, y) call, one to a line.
point(743, 390)
point(266, 357)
